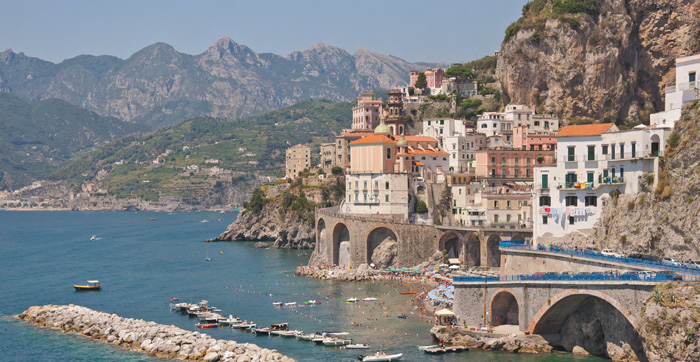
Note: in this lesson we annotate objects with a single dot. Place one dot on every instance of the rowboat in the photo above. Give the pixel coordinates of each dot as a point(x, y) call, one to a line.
point(207, 325)
point(91, 285)
point(357, 346)
point(352, 300)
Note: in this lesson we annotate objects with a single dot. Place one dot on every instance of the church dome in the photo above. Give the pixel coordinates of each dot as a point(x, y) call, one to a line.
point(402, 142)
point(382, 128)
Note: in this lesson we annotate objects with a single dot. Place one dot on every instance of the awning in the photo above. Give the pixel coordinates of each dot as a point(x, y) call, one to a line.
point(444, 312)
point(93, 281)
point(454, 261)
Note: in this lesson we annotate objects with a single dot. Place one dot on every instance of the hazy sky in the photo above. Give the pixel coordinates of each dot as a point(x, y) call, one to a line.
point(449, 31)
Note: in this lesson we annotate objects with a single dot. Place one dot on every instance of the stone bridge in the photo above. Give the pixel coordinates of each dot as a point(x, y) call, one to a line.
point(566, 313)
point(386, 241)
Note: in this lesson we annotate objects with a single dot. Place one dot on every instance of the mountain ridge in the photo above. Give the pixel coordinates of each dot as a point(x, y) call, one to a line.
point(159, 86)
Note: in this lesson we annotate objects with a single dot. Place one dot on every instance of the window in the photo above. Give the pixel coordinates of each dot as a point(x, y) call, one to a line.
point(622, 172)
point(544, 220)
point(612, 152)
point(571, 201)
point(691, 77)
point(386, 185)
point(503, 160)
point(545, 201)
point(622, 150)
point(571, 220)
point(365, 185)
point(527, 161)
point(357, 185)
point(388, 153)
point(571, 153)
point(493, 160)
point(527, 172)
point(508, 218)
point(442, 122)
point(591, 201)
point(484, 125)
point(495, 204)
point(546, 124)
point(545, 181)
point(516, 161)
point(350, 198)
point(605, 149)
point(495, 219)
point(589, 177)
point(515, 173)
point(365, 194)
point(591, 153)
point(634, 149)
point(537, 123)
point(386, 197)
point(508, 204)
point(503, 173)
point(571, 179)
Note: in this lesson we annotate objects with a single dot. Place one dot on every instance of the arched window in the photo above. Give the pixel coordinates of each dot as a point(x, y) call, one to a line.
point(388, 153)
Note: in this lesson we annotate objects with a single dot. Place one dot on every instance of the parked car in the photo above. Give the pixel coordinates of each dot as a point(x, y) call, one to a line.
point(635, 256)
point(669, 275)
point(695, 264)
point(590, 249)
point(609, 252)
point(671, 261)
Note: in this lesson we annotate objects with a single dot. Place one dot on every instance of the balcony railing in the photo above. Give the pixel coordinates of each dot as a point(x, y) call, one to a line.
point(683, 86)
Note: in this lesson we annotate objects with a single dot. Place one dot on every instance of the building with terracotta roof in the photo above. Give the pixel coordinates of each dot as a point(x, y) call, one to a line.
point(592, 161)
point(433, 77)
point(366, 114)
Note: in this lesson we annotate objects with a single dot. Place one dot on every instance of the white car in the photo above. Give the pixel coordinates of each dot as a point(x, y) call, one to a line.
point(671, 261)
point(695, 264)
point(609, 252)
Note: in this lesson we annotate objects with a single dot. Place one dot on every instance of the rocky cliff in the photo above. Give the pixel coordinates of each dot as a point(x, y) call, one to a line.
point(601, 59)
point(160, 86)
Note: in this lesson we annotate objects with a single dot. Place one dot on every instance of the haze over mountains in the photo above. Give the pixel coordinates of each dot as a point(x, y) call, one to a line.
point(159, 86)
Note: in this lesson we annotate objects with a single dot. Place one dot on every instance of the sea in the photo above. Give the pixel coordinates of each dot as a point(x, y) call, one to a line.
point(143, 259)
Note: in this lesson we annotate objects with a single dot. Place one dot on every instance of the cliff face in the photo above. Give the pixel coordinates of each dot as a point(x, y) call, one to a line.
point(160, 86)
point(671, 323)
point(610, 63)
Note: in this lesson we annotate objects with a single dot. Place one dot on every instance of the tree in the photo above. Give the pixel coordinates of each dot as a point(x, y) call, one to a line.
point(337, 170)
point(460, 72)
point(421, 82)
point(421, 207)
point(445, 203)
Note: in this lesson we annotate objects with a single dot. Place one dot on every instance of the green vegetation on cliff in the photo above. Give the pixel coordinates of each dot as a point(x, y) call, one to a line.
point(154, 165)
point(39, 137)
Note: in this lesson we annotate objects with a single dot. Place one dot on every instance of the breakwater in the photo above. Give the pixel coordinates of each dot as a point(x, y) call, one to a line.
point(149, 337)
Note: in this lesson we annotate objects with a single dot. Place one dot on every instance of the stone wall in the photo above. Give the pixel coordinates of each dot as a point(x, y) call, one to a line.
point(518, 262)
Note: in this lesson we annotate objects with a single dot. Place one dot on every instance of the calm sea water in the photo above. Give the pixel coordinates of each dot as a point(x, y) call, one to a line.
point(142, 263)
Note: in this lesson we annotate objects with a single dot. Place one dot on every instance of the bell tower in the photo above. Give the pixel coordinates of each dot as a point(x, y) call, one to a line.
point(394, 118)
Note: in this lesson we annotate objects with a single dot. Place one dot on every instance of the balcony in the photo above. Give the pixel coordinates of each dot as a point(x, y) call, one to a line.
point(631, 156)
point(577, 186)
point(683, 86)
point(613, 181)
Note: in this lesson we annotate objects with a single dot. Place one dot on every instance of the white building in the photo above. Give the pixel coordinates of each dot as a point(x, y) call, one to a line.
point(592, 161)
point(456, 138)
point(685, 90)
point(493, 123)
point(438, 128)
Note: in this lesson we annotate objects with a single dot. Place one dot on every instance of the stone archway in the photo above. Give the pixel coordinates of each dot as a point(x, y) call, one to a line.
point(472, 251)
point(322, 241)
point(505, 308)
point(452, 243)
point(382, 248)
point(493, 257)
point(341, 245)
point(591, 320)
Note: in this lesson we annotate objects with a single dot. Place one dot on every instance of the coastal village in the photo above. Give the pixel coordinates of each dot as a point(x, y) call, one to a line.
point(489, 207)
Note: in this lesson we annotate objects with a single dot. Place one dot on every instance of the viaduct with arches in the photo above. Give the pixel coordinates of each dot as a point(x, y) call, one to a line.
point(352, 240)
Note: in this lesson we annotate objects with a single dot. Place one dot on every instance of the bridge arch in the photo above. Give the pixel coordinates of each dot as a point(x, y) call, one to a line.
point(472, 250)
point(493, 252)
point(505, 307)
point(342, 248)
point(382, 247)
point(599, 322)
point(321, 232)
point(453, 243)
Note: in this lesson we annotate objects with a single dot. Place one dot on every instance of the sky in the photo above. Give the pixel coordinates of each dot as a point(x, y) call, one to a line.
point(432, 31)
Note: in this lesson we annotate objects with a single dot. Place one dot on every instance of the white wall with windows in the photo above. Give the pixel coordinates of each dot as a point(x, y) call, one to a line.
point(383, 194)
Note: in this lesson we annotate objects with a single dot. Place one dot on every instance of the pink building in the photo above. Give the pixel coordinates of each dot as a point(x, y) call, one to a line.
point(527, 140)
point(510, 163)
point(365, 116)
point(434, 77)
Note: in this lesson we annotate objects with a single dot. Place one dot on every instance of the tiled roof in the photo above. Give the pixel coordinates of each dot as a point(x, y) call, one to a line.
point(374, 138)
point(595, 129)
point(420, 139)
point(417, 163)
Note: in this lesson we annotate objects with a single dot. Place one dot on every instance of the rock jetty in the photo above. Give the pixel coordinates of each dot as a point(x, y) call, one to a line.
point(363, 272)
point(150, 337)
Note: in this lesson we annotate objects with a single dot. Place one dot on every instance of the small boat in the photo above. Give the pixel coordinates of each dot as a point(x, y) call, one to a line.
point(423, 348)
point(277, 304)
point(336, 342)
point(203, 221)
point(283, 333)
point(94, 237)
point(280, 326)
point(290, 304)
point(357, 346)
point(336, 333)
point(228, 321)
point(244, 325)
point(370, 299)
point(381, 356)
point(221, 219)
point(91, 285)
point(402, 316)
point(207, 325)
point(352, 300)
point(441, 350)
point(312, 301)
point(318, 339)
point(262, 331)
point(308, 337)
point(174, 299)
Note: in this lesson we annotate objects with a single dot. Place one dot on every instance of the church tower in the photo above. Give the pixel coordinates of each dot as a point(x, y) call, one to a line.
point(394, 116)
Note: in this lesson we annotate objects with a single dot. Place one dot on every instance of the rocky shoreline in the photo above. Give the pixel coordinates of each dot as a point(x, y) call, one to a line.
point(269, 225)
point(149, 337)
point(514, 343)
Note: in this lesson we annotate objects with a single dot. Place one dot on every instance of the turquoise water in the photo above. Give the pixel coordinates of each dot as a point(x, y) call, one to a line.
point(142, 263)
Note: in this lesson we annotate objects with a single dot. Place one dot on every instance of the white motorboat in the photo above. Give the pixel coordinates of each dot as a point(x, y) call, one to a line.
point(308, 337)
point(423, 348)
point(370, 299)
point(293, 333)
point(357, 346)
point(277, 304)
point(336, 342)
point(290, 304)
point(381, 356)
point(231, 320)
point(352, 300)
point(337, 334)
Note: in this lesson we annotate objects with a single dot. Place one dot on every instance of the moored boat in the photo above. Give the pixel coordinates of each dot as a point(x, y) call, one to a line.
point(352, 300)
point(357, 346)
point(336, 342)
point(207, 325)
point(381, 356)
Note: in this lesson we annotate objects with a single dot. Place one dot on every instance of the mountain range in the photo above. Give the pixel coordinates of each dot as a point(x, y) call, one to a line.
point(159, 86)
